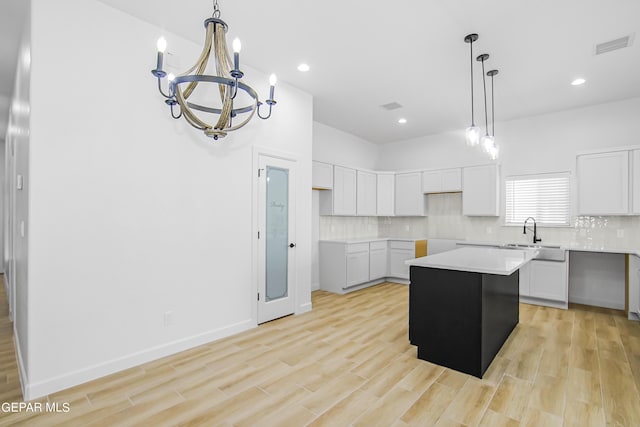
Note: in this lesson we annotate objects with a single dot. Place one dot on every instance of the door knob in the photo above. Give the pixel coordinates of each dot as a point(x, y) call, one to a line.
point(292, 245)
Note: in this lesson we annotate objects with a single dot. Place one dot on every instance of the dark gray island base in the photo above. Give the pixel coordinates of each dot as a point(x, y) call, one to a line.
point(461, 319)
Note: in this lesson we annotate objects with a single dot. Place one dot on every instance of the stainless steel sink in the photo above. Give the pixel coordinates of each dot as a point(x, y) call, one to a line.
point(545, 252)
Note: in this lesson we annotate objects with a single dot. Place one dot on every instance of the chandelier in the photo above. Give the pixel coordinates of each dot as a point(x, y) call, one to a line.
point(198, 103)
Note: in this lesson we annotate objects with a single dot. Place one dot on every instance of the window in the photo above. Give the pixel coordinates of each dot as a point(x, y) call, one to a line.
point(544, 197)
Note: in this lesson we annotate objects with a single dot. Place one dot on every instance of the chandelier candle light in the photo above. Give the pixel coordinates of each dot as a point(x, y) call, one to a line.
point(227, 78)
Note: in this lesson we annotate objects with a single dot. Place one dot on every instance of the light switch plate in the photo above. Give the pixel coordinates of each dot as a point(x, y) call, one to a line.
point(19, 182)
point(620, 233)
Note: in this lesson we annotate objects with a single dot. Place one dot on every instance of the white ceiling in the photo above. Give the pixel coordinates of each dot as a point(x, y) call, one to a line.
point(367, 53)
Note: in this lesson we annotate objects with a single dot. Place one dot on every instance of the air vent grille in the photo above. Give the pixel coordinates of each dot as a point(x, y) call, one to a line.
point(391, 106)
point(612, 45)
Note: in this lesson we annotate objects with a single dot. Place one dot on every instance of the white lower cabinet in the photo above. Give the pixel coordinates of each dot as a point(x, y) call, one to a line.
point(378, 260)
point(634, 287)
point(545, 283)
point(357, 263)
point(399, 252)
point(525, 279)
point(348, 266)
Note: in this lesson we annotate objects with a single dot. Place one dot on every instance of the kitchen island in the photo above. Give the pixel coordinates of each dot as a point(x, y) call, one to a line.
point(463, 304)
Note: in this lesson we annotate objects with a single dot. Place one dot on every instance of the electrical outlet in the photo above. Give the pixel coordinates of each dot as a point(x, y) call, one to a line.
point(620, 233)
point(583, 232)
point(407, 228)
point(168, 318)
point(489, 230)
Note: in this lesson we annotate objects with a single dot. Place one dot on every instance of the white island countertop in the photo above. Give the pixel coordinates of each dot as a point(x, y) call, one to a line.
point(478, 260)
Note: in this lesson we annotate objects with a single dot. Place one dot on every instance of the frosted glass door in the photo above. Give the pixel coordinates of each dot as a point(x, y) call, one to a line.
point(277, 222)
point(276, 205)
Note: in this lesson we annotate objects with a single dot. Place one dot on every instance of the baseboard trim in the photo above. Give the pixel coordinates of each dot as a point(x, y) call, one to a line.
point(304, 308)
point(36, 390)
point(596, 302)
point(22, 373)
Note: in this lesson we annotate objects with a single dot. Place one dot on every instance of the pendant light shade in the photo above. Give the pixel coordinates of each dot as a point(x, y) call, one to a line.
point(472, 133)
point(487, 142)
point(490, 144)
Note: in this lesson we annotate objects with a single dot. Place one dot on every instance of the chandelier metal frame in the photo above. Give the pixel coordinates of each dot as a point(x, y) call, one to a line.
point(181, 87)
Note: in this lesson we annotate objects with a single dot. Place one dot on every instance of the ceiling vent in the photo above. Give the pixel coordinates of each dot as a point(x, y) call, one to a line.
point(391, 106)
point(612, 45)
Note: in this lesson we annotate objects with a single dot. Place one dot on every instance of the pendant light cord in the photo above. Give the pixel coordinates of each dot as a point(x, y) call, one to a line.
point(484, 84)
point(471, 61)
point(493, 111)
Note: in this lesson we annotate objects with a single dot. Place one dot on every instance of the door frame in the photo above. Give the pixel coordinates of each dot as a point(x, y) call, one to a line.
point(259, 151)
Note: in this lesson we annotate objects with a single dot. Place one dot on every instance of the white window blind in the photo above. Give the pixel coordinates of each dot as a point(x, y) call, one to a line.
point(544, 197)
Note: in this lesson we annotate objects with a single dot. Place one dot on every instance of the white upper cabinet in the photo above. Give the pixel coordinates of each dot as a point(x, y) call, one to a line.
point(431, 182)
point(635, 184)
point(442, 181)
point(342, 200)
point(603, 183)
point(322, 178)
point(410, 201)
point(386, 194)
point(367, 194)
point(481, 191)
point(344, 191)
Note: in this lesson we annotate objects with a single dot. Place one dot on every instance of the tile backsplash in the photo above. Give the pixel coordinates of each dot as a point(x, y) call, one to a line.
point(445, 221)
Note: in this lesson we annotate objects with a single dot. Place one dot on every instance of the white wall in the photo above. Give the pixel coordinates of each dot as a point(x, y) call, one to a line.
point(544, 143)
point(334, 146)
point(3, 173)
point(17, 148)
point(134, 214)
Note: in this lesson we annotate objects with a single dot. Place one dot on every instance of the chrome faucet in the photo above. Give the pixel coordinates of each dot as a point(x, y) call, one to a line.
point(535, 229)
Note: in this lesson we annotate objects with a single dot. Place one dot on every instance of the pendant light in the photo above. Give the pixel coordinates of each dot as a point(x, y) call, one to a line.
point(492, 149)
point(472, 133)
point(487, 141)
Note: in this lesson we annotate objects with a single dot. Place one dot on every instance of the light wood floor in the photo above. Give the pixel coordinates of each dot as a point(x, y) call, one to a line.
point(348, 362)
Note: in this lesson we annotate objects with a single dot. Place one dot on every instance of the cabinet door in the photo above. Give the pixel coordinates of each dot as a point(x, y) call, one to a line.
point(603, 183)
point(480, 191)
point(634, 285)
point(377, 263)
point(431, 181)
point(357, 268)
point(322, 178)
point(366, 194)
point(410, 201)
point(386, 194)
point(636, 182)
point(397, 267)
point(549, 280)
point(524, 279)
point(344, 191)
point(451, 180)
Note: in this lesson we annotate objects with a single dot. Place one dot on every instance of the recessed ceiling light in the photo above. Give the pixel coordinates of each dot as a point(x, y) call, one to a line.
point(578, 82)
point(303, 67)
point(402, 121)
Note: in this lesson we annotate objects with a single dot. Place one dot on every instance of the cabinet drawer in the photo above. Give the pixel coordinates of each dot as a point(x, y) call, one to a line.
point(357, 247)
point(378, 245)
point(398, 244)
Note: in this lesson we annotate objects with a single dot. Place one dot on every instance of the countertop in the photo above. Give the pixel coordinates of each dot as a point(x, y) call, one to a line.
point(373, 239)
point(568, 247)
point(478, 260)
